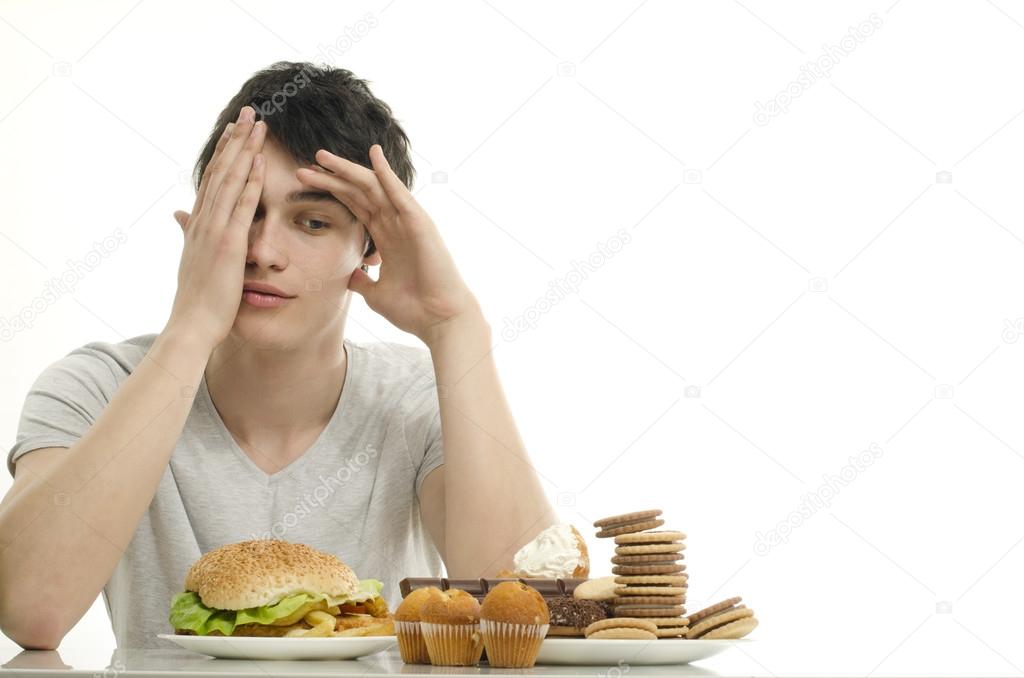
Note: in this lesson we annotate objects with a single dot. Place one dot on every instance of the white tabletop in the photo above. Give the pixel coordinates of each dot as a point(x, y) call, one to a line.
point(179, 663)
point(98, 663)
point(775, 657)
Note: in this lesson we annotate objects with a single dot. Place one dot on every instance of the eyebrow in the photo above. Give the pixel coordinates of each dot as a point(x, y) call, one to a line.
point(318, 197)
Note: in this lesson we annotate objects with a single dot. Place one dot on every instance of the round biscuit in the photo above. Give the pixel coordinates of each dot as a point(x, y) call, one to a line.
point(601, 588)
point(671, 632)
point(676, 622)
point(630, 528)
point(634, 517)
point(732, 630)
point(647, 549)
point(651, 537)
point(712, 609)
point(703, 626)
point(644, 611)
point(624, 634)
point(653, 579)
point(565, 631)
point(650, 591)
point(649, 559)
point(647, 569)
point(620, 622)
point(654, 601)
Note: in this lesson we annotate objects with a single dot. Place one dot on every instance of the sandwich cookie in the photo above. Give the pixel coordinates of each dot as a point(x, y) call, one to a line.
point(648, 611)
point(627, 523)
point(648, 601)
point(650, 591)
point(712, 609)
point(650, 537)
point(622, 628)
point(648, 559)
point(729, 622)
point(650, 596)
point(668, 549)
point(670, 568)
point(652, 580)
point(670, 627)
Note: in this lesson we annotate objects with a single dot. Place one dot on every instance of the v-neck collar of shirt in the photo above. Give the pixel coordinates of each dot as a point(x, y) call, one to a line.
point(268, 478)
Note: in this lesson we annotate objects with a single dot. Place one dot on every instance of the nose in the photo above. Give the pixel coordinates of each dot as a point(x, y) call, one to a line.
point(266, 249)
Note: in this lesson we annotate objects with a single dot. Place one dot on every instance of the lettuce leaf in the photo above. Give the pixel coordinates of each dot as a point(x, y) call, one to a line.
point(368, 590)
point(189, 612)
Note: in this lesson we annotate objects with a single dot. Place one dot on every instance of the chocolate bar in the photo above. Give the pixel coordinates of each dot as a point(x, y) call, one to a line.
point(478, 588)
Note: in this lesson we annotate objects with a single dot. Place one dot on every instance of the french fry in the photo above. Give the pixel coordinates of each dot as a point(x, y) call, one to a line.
point(318, 617)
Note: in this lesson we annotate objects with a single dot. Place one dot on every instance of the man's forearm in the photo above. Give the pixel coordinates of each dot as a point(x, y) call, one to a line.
point(62, 536)
point(494, 502)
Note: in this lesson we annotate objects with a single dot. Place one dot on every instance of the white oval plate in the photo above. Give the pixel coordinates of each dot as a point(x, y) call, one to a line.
point(606, 652)
point(251, 647)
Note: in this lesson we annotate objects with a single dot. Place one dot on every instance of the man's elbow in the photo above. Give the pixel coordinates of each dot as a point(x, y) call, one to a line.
point(30, 629)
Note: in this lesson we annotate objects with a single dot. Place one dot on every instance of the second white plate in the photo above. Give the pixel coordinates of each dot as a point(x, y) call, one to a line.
point(600, 652)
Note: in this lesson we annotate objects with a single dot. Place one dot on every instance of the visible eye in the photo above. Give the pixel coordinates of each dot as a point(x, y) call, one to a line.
point(324, 224)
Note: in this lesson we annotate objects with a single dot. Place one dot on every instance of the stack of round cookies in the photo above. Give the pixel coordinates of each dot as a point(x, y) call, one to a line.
point(649, 571)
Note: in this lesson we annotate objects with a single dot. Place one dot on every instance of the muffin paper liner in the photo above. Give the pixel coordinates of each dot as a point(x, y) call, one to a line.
point(453, 644)
point(410, 643)
point(512, 645)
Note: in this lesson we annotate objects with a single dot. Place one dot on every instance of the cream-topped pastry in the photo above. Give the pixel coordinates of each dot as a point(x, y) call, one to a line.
point(558, 551)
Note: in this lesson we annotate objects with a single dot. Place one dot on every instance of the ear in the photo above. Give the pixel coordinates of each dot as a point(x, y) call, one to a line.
point(182, 219)
point(373, 260)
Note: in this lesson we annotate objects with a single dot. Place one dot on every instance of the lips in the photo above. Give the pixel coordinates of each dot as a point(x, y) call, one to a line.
point(266, 288)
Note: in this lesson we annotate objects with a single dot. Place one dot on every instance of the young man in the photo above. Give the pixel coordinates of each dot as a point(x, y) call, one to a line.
point(249, 414)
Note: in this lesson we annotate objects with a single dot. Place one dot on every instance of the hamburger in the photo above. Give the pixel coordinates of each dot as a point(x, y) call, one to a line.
point(271, 587)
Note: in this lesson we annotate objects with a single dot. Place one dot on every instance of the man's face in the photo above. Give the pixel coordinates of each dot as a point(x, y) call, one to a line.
point(305, 243)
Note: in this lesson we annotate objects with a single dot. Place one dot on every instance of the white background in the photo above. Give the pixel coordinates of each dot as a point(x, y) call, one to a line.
point(791, 293)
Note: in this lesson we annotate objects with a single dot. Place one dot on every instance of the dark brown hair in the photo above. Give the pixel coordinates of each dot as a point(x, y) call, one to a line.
point(308, 107)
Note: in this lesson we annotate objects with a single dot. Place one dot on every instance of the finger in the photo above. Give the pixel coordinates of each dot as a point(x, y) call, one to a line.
point(182, 219)
point(350, 195)
point(235, 180)
point(362, 177)
point(395, 188)
point(245, 207)
point(219, 170)
point(361, 283)
point(205, 181)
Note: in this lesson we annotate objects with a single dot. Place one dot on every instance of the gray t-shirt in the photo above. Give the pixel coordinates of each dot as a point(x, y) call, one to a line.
point(354, 493)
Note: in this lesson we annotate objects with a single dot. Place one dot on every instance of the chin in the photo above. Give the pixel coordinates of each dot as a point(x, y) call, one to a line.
point(263, 329)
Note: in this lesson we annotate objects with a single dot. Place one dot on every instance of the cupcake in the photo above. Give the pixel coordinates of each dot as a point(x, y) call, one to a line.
point(570, 616)
point(513, 620)
point(407, 625)
point(450, 624)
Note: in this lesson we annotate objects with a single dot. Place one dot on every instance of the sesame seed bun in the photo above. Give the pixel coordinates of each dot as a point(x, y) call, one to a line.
point(263, 571)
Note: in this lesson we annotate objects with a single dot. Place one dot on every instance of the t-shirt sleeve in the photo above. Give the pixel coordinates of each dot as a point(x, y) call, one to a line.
point(63, 402)
point(423, 429)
